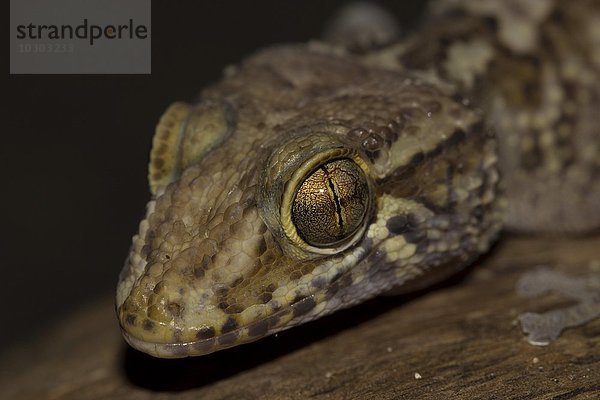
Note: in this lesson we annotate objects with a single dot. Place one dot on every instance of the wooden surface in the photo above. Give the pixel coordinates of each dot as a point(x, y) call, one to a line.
point(458, 341)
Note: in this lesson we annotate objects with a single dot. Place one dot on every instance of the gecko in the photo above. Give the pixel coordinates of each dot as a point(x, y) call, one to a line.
point(315, 176)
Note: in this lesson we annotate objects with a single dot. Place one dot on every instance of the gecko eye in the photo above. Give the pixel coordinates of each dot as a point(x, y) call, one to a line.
point(330, 205)
point(316, 195)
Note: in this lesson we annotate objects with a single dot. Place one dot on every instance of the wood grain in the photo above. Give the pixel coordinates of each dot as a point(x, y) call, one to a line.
point(457, 341)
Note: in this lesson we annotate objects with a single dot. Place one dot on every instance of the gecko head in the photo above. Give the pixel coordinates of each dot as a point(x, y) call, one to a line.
point(228, 254)
point(275, 206)
point(247, 239)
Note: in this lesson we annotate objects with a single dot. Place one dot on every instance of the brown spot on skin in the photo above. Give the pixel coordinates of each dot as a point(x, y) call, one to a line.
point(265, 297)
point(206, 333)
point(174, 309)
point(271, 288)
point(298, 298)
point(332, 290)
point(130, 319)
point(319, 282)
point(199, 272)
point(229, 325)
point(345, 281)
point(304, 306)
point(398, 224)
point(259, 328)
point(273, 320)
point(228, 338)
point(148, 325)
point(459, 135)
point(402, 224)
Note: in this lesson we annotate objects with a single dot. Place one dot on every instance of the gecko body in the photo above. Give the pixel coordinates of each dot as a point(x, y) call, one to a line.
point(314, 177)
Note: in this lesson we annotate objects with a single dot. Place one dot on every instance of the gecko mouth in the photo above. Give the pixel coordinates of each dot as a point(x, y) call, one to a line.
point(205, 325)
point(280, 320)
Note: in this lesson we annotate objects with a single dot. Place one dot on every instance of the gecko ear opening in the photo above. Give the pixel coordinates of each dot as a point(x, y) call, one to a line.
point(184, 135)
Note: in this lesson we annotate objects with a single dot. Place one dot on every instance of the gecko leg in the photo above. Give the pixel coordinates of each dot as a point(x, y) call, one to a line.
point(541, 329)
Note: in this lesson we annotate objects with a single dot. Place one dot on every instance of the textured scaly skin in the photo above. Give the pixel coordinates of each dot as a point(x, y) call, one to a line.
point(217, 261)
point(534, 67)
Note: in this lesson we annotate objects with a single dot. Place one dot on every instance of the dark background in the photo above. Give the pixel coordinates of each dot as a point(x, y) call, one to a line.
point(75, 151)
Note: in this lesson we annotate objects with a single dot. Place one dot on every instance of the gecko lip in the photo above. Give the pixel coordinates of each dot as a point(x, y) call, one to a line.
point(167, 350)
point(244, 334)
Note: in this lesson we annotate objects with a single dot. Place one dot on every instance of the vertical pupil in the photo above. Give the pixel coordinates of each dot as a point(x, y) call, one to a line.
point(330, 204)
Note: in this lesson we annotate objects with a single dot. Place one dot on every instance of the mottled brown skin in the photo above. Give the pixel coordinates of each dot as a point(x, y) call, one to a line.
point(313, 177)
point(534, 67)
